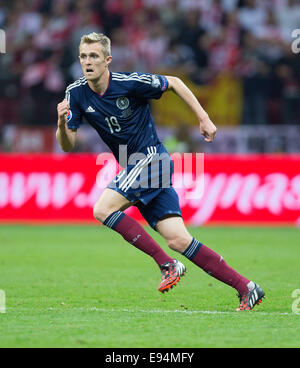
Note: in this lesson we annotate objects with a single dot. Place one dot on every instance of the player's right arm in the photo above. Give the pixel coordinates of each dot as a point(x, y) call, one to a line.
point(64, 136)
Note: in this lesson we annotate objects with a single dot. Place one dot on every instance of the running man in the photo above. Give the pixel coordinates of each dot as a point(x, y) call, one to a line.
point(116, 105)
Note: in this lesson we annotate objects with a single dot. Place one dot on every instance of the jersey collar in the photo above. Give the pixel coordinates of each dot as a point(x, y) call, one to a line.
point(107, 88)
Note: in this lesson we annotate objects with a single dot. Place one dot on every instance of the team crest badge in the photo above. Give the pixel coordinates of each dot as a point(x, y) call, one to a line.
point(122, 103)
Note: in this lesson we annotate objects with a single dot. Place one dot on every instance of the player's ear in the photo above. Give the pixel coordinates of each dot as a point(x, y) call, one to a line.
point(108, 60)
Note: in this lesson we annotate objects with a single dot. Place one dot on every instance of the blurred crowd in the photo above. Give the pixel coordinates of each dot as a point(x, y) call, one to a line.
point(200, 38)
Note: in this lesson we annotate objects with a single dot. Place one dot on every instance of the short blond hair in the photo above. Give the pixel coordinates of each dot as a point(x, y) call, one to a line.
point(98, 37)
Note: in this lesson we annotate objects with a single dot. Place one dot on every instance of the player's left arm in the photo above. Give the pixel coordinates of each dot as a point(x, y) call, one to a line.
point(207, 127)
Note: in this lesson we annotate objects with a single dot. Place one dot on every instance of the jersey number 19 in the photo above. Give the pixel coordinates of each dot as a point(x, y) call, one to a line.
point(113, 124)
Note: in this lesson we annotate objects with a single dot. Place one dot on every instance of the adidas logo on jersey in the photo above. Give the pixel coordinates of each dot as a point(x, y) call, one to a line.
point(90, 109)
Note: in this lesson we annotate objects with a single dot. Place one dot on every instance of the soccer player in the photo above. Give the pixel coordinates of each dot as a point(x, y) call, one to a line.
point(117, 106)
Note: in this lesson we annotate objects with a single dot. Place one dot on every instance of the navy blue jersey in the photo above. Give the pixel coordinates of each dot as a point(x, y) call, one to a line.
point(121, 115)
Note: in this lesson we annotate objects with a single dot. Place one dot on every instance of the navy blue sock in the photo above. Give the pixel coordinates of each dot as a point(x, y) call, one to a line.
point(113, 219)
point(192, 249)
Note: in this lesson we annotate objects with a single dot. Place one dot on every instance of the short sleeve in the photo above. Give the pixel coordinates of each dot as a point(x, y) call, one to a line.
point(149, 85)
point(74, 118)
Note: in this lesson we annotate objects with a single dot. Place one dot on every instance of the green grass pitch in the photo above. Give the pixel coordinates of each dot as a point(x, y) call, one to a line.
point(84, 286)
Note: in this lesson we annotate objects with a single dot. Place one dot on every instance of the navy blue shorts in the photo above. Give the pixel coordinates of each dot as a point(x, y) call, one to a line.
point(148, 180)
point(166, 203)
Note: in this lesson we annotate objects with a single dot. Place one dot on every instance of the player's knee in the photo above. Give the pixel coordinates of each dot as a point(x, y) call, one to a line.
point(100, 213)
point(179, 243)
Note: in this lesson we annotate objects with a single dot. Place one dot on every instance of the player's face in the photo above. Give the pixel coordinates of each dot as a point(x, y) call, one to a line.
point(92, 61)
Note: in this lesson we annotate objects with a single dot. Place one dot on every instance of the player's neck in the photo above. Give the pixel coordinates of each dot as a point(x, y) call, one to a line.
point(100, 85)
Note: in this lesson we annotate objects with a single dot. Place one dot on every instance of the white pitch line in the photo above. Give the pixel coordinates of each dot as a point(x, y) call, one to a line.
point(158, 311)
point(183, 311)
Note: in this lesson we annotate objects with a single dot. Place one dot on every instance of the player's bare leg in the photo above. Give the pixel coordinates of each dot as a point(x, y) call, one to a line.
point(108, 210)
point(178, 238)
point(173, 230)
point(109, 202)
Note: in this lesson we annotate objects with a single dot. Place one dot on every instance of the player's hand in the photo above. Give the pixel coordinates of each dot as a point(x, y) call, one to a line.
point(207, 129)
point(62, 112)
